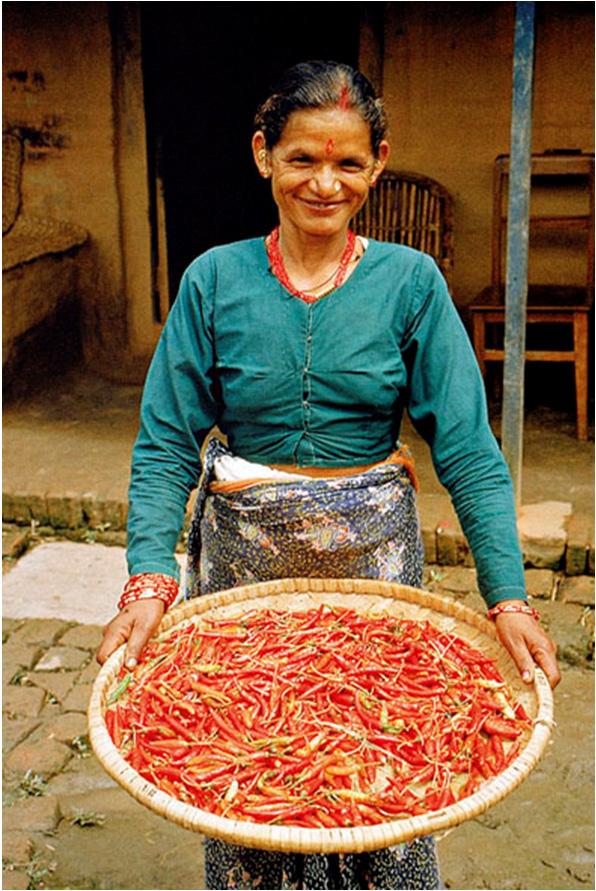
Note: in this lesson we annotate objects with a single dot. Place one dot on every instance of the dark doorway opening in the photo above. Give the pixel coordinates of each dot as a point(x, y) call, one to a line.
point(206, 68)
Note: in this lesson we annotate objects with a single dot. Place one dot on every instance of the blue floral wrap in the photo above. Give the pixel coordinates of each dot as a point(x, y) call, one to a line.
point(359, 526)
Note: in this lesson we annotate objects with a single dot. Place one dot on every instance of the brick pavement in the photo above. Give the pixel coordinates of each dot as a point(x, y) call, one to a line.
point(56, 795)
point(53, 785)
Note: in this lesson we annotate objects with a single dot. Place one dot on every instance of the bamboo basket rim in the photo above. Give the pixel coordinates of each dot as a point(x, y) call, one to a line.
point(297, 839)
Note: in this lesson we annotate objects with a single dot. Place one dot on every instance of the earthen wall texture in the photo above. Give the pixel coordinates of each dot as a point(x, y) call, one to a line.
point(58, 97)
point(447, 85)
point(447, 81)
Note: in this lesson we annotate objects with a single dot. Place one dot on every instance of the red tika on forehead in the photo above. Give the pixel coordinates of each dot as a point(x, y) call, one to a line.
point(329, 147)
point(344, 98)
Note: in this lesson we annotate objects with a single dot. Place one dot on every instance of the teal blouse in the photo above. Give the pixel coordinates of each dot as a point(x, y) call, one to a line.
point(322, 384)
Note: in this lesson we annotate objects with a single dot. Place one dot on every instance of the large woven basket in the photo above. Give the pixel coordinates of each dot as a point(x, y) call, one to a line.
point(365, 596)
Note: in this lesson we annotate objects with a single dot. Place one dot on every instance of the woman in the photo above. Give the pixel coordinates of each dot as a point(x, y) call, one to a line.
point(305, 348)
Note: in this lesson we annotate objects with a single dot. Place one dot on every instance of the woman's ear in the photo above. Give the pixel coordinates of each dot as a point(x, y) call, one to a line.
point(383, 153)
point(380, 160)
point(261, 154)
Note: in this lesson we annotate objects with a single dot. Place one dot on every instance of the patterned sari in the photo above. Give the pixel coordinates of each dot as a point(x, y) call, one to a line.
point(361, 525)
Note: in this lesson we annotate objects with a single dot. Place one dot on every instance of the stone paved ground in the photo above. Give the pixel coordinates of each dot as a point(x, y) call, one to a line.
point(67, 825)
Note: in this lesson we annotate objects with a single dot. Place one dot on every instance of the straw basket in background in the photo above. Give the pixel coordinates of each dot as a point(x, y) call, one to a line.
point(363, 595)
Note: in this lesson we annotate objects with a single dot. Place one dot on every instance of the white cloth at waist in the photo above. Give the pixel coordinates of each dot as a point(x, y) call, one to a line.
point(230, 469)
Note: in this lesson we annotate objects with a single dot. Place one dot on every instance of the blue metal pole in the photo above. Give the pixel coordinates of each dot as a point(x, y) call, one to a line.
point(516, 287)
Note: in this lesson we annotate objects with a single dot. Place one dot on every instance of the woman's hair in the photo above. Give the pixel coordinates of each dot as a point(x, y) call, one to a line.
point(320, 84)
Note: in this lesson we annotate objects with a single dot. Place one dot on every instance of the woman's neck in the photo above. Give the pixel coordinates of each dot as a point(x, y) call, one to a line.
point(308, 257)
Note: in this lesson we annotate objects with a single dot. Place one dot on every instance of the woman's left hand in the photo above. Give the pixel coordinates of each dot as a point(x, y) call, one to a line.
point(528, 645)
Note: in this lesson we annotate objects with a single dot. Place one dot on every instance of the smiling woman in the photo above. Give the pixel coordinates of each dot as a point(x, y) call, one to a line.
point(319, 183)
point(305, 347)
point(320, 137)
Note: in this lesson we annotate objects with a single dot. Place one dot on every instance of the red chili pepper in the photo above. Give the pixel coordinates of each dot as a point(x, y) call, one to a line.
point(115, 728)
point(169, 747)
point(520, 712)
point(228, 731)
point(501, 727)
point(480, 758)
point(309, 706)
point(413, 756)
point(171, 772)
point(472, 783)
point(512, 753)
point(109, 719)
point(310, 787)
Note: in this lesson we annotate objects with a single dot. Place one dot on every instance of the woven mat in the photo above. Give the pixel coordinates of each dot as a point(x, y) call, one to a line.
point(32, 237)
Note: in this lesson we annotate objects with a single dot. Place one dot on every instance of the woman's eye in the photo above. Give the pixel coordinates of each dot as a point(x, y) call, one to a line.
point(302, 160)
point(351, 166)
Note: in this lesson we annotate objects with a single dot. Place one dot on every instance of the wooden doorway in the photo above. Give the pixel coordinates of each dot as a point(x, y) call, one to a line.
point(206, 67)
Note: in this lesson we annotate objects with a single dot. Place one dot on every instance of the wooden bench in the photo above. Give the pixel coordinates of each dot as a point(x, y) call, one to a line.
point(39, 270)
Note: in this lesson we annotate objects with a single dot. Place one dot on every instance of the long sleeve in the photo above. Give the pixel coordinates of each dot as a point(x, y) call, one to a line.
point(447, 405)
point(178, 408)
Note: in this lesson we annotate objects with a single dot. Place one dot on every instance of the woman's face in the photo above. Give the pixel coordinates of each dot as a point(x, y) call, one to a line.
point(321, 169)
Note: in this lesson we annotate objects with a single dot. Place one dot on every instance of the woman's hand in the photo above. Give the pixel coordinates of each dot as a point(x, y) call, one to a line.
point(135, 624)
point(528, 645)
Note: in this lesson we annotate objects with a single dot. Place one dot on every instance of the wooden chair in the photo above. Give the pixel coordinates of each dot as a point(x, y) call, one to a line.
point(547, 304)
point(407, 208)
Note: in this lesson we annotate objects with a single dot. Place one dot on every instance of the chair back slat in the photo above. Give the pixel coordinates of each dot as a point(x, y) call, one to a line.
point(410, 209)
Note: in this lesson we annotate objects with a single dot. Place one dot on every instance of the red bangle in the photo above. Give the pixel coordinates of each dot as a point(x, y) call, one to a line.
point(520, 607)
point(147, 585)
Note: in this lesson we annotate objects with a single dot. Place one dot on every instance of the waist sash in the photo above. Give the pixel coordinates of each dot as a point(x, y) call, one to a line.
point(362, 523)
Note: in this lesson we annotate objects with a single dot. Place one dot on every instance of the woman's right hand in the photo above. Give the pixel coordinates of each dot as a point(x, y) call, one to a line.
point(135, 624)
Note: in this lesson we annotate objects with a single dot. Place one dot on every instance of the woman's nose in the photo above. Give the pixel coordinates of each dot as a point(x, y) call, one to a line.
point(325, 181)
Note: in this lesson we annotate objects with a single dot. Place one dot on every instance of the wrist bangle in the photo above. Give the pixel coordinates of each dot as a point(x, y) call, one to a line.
point(519, 607)
point(147, 585)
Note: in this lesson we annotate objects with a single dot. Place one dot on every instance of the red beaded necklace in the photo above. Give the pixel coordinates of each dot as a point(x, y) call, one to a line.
point(279, 270)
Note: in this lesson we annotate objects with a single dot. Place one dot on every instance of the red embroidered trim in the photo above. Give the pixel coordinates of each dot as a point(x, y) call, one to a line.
point(279, 270)
point(147, 585)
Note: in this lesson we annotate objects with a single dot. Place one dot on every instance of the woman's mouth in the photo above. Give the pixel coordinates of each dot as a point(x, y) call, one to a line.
point(321, 205)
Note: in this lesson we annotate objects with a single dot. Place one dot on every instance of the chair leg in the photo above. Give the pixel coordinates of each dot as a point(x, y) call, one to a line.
point(479, 340)
point(580, 348)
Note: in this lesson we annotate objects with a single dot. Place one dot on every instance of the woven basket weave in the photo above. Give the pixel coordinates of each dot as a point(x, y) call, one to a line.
point(33, 237)
point(362, 595)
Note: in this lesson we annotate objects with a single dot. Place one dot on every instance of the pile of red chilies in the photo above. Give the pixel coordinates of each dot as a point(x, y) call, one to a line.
point(322, 718)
